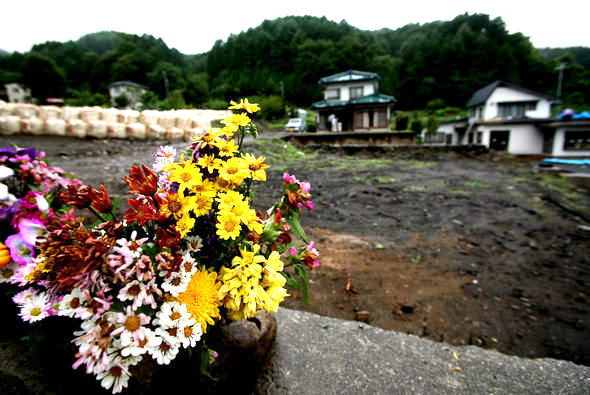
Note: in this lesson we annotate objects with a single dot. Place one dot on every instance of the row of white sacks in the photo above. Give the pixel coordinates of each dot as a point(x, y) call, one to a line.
point(101, 122)
point(98, 129)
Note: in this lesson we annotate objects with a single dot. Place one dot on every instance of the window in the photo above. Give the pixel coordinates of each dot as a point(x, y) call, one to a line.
point(359, 120)
point(577, 141)
point(356, 91)
point(333, 94)
point(15, 89)
point(515, 109)
point(436, 138)
point(380, 119)
point(479, 138)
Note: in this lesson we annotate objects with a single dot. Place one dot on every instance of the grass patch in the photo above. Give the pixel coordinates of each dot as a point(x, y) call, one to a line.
point(387, 180)
point(460, 192)
point(418, 164)
point(477, 184)
point(414, 188)
point(362, 180)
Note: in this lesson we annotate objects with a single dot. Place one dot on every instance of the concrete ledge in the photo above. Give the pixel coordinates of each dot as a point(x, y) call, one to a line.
point(319, 355)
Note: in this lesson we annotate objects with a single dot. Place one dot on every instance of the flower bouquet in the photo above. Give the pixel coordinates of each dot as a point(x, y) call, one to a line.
point(188, 253)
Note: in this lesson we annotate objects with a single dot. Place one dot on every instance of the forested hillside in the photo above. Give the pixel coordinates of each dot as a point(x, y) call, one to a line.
point(445, 60)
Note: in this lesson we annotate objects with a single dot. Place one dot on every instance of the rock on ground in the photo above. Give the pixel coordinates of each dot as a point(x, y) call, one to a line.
point(319, 355)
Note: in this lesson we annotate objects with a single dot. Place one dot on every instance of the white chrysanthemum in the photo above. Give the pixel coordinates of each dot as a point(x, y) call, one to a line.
point(138, 348)
point(188, 265)
point(164, 352)
point(171, 334)
point(176, 283)
point(116, 376)
point(170, 314)
point(73, 303)
point(35, 308)
point(190, 332)
point(194, 244)
point(135, 291)
point(7, 272)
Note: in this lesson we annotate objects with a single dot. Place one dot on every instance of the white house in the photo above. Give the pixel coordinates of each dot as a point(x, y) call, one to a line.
point(508, 117)
point(16, 93)
point(352, 102)
point(131, 90)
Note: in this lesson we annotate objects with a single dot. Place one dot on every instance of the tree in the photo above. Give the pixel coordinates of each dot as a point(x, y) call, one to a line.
point(432, 124)
point(121, 101)
point(43, 76)
point(416, 126)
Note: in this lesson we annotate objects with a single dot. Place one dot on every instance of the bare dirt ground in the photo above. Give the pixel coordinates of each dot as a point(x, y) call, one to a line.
point(480, 250)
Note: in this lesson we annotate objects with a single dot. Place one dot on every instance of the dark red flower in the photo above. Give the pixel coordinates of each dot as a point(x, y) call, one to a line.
point(141, 211)
point(78, 196)
point(100, 200)
point(142, 183)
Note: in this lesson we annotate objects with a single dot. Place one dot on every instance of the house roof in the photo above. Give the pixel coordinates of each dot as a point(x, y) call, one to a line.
point(484, 93)
point(349, 76)
point(375, 98)
point(128, 83)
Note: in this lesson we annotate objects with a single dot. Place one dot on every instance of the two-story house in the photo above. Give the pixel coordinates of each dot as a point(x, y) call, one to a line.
point(507, 117)
point(352, 102)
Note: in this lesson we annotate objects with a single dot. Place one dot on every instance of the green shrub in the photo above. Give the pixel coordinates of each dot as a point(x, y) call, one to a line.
point(416, 126)
point(401, 122)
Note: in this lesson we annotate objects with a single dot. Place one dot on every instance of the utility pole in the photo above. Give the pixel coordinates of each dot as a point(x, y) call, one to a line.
point(283, 94)
point(559, 84)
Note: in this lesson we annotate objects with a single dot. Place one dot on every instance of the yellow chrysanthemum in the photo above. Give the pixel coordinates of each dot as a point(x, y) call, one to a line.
point(202, 204)
point(177, 204)
point(244, 105)
point(209, 162)
point(234, 170)
point(228, 199)
point(185, 173)
point(185, 224)
point(206, 188)
point(201, 298)
point(228, 225)
point(226, 147)
point(234, 121)
point(252, 284)
point(256, 167)
point(209, 138)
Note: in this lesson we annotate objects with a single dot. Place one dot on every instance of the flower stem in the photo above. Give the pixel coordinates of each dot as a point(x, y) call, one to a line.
point(93, 211)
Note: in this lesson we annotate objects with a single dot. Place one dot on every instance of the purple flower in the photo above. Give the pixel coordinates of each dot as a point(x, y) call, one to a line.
point(20, 252)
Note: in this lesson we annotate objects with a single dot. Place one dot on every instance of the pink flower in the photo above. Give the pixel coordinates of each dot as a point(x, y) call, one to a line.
point(292, 251)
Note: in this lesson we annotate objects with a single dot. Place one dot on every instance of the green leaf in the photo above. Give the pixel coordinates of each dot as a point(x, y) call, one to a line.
point(291, 282)
point(204, 363)
point(116, 203)
point(303, 275)
point(296, 228)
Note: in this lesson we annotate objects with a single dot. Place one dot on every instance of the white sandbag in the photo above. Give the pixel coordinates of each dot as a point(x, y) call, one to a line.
point(167, 119)
point(184, 122)
point(149, 117)
point(155, 132)
point(136, 131)
point(25, 110)
point(76, 128)
point(6, 110)
point(11, 125)
point(97, 129)
point(55, 127)
point(110, 115)
point(50, 112)
point(32, 125)
point(70, 113)
point(128, 116)
point(90, 114)
point(116, 130)
point(174, 134)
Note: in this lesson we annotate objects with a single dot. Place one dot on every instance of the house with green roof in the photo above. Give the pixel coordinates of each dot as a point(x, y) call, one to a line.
point(352, 102)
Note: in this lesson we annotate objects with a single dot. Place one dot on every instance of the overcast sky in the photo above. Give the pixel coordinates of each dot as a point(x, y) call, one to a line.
point(194, 26)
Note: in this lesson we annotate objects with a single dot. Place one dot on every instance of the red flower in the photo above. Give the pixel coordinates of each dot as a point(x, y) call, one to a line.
point(141, 211)
point(76, 196)
point(142, 183)
point(100, 200)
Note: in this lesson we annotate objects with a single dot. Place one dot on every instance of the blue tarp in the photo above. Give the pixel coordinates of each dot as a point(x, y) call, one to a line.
point(568, 161)
point(582, 115)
